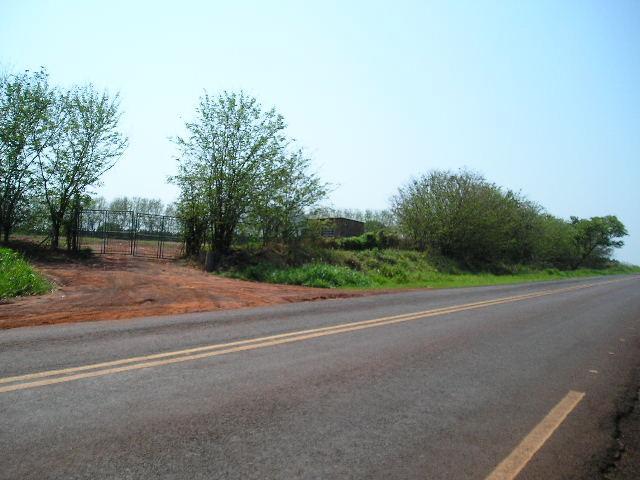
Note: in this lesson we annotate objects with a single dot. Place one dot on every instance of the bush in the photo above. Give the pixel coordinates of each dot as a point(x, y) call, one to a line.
point(390, 268)
point(367, 241)
point(466, 218)
point(322, 275)
point(311, 275)
point(17, 277)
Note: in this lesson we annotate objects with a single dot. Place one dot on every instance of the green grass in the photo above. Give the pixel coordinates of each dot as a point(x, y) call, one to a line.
point(310, 275)
point(17, 277)
point(392, 268)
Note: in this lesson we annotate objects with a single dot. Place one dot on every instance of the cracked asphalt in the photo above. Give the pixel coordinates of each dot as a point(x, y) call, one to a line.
point(443, 396)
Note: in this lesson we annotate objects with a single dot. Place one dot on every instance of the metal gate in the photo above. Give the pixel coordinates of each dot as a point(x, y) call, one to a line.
point(106, 231)
point(158, 236)
point(126, 233)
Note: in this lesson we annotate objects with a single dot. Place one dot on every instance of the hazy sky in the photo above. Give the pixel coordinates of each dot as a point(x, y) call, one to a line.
point(541, 97)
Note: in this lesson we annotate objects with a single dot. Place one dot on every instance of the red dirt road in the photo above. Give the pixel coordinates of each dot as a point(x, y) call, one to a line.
point(118, 287)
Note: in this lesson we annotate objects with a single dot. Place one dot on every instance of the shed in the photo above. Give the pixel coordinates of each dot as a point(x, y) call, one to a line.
point(334, 227)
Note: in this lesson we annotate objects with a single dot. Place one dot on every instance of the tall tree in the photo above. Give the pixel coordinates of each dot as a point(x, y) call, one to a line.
point(86, 145)
point(25, 100)
point(596, 238)
point(237, 163)
point(231, 145)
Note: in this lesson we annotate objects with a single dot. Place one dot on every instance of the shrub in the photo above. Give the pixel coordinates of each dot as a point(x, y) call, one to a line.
point(321, 275)
point(17, 277)
point(366, 241)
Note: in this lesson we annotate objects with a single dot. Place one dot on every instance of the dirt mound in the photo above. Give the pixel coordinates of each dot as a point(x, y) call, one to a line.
point(115, 287)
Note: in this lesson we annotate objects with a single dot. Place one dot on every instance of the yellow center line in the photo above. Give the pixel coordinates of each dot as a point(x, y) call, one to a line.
point(147, 361)
point(442, 310)
point(511, 466)
point(229, 344)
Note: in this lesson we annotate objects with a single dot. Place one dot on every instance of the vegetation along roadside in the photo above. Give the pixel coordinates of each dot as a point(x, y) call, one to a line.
point(394, 268)
point(250, 201)
point(17, 277)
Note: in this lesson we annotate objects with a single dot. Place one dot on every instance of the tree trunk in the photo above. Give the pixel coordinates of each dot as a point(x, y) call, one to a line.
point(55, 235)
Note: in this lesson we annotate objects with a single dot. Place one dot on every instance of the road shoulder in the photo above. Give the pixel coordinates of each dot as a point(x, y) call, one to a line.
point(622, 460)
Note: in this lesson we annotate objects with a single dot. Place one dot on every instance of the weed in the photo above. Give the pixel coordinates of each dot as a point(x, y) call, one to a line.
point(17, 277)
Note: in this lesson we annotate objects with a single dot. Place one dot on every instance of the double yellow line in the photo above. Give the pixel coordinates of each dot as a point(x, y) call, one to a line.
point(52, 377)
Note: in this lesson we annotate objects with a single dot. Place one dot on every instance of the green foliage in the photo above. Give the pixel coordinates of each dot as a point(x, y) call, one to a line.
point(54, 146)
point(25, 101)
point(289, 189)
point(464, 217)
point(366, 241)
point(17, 277)
point(596, 237)
point(242, 178)
point(86, 144)
point(152, 206)
point(311, 275)
point(238, 165)
point(393, 268)
point(554, 243)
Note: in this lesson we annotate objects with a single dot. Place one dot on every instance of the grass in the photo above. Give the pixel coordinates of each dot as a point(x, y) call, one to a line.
point(17, 277)
point(310, 275)
point(391, 268)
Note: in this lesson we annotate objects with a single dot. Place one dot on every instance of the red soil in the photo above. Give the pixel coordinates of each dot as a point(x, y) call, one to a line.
point(116, 287)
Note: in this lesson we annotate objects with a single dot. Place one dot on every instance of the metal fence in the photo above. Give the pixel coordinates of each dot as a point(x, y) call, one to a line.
point(158, 236)
point(106, 231)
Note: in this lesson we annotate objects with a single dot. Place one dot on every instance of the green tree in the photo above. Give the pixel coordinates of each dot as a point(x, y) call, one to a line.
point(236, 162)
point(86, 145)
point(596, 237)
point(554, 242)
point(288, 191)
point(191, 208)
point(152, 206)
point(463, 216)
point(25, 100)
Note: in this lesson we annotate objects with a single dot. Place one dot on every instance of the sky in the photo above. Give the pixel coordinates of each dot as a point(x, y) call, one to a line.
point(541, 97)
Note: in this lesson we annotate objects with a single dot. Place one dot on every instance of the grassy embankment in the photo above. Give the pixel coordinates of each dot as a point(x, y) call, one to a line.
point(391, 268)
point(17, 277)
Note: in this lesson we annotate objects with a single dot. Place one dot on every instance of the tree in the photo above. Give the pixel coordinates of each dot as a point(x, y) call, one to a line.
point(97, 203)
point(289, 189)
point(25, 100)
point(596, 237)
point(86, 145)
point(152, 206)
point(235, 161)
point(554, 242)
point(191, 208)
point(463, 216)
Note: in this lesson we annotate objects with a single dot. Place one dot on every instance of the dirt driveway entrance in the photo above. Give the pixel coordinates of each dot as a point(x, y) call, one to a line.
point(114, 287)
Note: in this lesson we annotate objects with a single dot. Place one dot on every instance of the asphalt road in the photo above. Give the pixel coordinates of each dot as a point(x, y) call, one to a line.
point(521, 378)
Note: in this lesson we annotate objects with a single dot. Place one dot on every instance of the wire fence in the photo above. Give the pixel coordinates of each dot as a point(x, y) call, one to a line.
point(125, 232)
point(159, 236)
point(121, 232)
point(106, 231)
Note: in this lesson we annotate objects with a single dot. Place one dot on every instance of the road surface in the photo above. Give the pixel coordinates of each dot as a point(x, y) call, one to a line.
point(492, 382)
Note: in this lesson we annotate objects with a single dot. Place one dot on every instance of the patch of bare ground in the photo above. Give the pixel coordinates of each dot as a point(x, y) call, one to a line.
point(107, 287)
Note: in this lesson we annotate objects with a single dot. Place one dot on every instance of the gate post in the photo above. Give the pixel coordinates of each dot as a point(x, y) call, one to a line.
point(132, 234)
